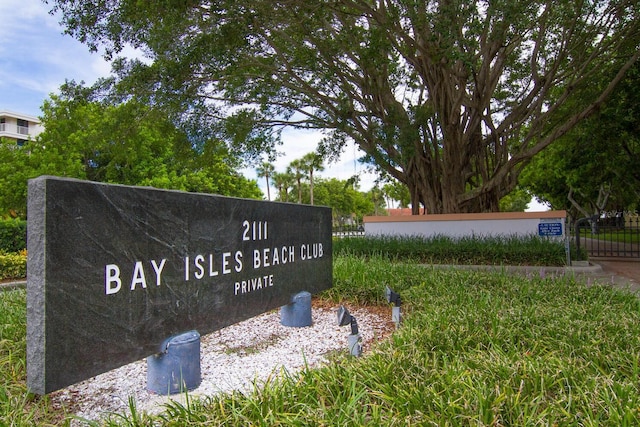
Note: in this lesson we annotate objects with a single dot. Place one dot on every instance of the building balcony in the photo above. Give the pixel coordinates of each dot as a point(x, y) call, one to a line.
point(20, 127)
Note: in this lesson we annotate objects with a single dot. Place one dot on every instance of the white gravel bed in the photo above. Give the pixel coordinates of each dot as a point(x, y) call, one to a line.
point(234, 358)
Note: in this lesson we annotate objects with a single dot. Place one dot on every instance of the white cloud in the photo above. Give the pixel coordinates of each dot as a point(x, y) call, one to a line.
point(36, 58)
point(17, 14)
point(536, 206)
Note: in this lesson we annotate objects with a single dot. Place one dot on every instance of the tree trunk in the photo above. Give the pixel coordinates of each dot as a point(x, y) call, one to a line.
point(311, 185)
point(268, 190)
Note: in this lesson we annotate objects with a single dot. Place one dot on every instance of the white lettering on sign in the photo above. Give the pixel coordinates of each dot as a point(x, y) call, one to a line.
point(202, 265)
point(273, 256)
point(252, 285)
point(311, 251)
point(112, 275)
point(138, 276)
point(254, 230)
point(158, 269)
point(113, 282)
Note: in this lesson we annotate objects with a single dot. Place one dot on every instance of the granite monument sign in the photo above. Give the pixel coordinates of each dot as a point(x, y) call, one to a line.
point(113, 270)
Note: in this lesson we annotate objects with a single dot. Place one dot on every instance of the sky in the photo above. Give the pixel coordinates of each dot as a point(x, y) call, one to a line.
point(36, 58)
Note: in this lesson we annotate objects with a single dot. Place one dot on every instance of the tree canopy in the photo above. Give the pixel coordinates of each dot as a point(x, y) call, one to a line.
point(127, 143)
point(347, 202)
point(299, 184)
point(451, 98)
point(596, 166)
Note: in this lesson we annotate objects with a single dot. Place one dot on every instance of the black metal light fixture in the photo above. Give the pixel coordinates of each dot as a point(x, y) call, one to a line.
point(392, 297)
point(395, 299)
point(345, 318)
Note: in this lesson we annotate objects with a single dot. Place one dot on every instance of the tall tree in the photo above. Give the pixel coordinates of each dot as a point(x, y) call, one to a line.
point(283, 182)
point(596, 166)
point(516, 201)
point(126, 143)
point(313, 163)
point(377, 198)
point(451, 98)
point(265, 170)
point(15, 169)
point(398, 192)
point(347, 203)
point(297, 169)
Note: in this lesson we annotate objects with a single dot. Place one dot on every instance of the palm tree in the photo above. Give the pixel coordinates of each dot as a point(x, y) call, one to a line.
point(265, 170)
point(282, 181)
point(297, 169)
point(312, 161)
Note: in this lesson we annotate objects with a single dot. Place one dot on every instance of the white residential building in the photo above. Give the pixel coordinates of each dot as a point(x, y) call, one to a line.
point(19, 127)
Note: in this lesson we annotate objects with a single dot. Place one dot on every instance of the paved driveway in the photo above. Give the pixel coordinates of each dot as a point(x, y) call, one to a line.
point(621, 271)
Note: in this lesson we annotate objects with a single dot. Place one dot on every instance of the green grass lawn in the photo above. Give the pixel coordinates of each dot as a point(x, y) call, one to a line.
point(623, 236)
point(475, 348)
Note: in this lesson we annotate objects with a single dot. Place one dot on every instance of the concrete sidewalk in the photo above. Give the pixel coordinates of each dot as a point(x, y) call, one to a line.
point(620, 272)
point(9, 285)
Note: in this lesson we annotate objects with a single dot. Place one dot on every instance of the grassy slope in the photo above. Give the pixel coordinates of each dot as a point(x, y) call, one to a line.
point(474, 349)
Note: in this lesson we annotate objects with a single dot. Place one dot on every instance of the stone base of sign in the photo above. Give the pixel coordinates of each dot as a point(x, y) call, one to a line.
point(297, 314)
point(177, 368)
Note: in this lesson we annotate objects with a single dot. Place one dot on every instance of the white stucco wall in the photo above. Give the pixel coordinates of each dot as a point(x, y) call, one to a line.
point(550, 223)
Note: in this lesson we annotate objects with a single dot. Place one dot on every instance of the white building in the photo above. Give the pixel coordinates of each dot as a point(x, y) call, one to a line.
point(19, 127)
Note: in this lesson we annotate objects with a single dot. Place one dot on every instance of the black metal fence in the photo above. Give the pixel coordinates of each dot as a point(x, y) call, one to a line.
point(609, 235)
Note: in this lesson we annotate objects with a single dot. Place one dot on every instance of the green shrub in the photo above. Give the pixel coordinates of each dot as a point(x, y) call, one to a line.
point(13, 266)
point(13, 235)
point(504, 250)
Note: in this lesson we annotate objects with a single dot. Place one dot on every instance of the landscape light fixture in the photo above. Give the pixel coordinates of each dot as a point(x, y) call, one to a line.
point(353, 340)
point(394, 298)
point(345, 318)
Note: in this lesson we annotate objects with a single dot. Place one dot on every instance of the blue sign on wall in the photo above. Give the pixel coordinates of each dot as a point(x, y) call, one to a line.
point(550, 229)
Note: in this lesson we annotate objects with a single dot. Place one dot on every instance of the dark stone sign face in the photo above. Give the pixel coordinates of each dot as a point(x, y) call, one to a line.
point(113, 271)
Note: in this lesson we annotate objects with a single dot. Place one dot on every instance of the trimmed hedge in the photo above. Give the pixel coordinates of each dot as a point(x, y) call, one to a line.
point(13, 266)
point(488, 250)
point(13, 235)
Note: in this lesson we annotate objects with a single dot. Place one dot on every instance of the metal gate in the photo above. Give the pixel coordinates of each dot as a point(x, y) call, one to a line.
point(614, 235)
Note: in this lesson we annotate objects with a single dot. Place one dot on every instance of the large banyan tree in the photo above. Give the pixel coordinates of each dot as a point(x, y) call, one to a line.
point(452, 98)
